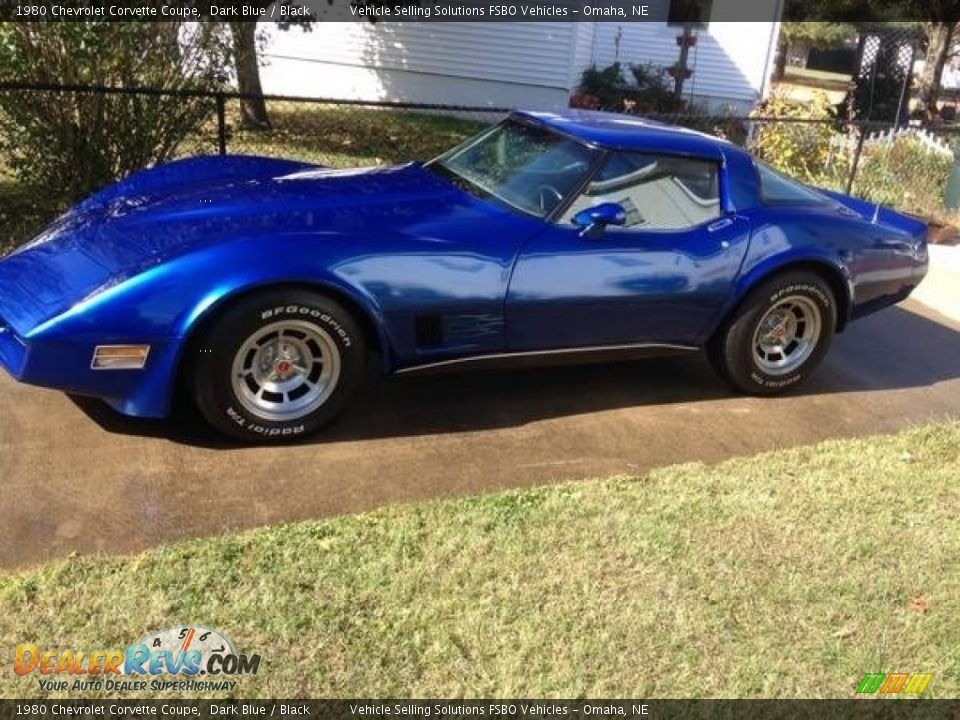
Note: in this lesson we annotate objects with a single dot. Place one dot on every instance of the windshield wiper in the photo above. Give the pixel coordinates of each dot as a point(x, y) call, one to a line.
point(459, 180)
point(476, 189)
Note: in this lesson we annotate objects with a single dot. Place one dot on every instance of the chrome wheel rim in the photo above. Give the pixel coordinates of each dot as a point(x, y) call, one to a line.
point(286, 370)
point(787, 335)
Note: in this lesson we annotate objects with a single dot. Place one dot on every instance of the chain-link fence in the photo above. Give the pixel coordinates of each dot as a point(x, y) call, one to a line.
point(114, 131)
point(339, 134)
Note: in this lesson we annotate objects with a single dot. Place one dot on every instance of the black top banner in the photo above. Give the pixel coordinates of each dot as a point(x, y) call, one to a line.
point(695, 13)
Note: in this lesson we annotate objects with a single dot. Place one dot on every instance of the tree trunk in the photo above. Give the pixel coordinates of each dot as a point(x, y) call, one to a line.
point(780, 65)
point(939, 36)
point(247, 65)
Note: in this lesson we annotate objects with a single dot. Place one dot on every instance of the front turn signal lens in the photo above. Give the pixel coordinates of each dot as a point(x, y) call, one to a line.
point(120, 357)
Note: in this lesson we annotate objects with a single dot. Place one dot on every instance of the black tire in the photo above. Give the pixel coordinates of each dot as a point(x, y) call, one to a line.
point(746, 365)
point(332, 346)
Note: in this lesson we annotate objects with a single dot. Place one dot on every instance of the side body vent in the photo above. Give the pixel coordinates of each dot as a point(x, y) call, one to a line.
point(428, 329)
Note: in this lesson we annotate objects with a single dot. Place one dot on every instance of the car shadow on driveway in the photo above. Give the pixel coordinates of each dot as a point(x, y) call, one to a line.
point(892, 350)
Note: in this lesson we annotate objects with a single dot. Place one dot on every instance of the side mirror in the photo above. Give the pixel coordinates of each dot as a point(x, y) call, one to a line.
point(594, 220)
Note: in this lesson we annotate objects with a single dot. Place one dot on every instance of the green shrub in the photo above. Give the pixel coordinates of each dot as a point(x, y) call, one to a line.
point(727, 124)
point(649, 93)
point(652, 91)
point(605, 85)
point(800, 149)
point(69, 143)
point(903, 173)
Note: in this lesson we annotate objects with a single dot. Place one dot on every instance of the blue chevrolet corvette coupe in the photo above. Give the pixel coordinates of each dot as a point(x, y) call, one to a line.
point(266, 287)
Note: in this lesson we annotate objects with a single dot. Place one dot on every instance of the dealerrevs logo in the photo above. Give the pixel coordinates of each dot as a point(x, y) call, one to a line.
point(184, 653)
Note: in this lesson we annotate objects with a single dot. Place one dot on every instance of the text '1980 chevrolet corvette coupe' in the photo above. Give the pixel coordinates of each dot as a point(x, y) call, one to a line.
point(267, 286)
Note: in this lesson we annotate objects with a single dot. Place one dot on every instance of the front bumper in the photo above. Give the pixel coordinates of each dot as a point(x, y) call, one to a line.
point(65, 365)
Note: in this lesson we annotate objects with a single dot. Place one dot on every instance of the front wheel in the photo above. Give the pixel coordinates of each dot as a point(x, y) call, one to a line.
point(779, 334)
point(278, 365)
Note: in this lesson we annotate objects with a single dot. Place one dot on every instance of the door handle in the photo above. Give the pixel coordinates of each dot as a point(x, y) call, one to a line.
point(719, 224)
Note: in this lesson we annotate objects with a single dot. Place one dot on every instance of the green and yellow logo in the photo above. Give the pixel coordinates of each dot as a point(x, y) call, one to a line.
point(894, 683)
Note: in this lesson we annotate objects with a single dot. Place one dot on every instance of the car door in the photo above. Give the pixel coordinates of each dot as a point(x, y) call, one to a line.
point(661, 278)
point(441, 277)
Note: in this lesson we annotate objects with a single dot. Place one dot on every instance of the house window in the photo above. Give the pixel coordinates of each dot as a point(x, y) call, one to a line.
point(658, 192)
point(695, 13)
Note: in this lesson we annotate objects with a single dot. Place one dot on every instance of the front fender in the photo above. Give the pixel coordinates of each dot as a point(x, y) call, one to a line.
point(260, 270)
point(164, 305)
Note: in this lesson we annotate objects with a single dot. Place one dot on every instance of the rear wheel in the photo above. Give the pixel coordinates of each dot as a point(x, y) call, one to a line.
point(779, 334)
point(278, 365)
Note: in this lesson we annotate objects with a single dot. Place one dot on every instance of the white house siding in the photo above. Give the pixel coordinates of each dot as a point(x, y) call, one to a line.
point(582, 56)
point(490, 64)
point(731, 61)
point(503, 64)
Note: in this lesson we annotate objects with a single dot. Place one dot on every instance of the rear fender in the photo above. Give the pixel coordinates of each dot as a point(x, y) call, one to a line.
point(880, 215)
point(832, 269)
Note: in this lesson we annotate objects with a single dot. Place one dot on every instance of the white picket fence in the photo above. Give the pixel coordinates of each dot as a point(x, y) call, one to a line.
point(927, 138)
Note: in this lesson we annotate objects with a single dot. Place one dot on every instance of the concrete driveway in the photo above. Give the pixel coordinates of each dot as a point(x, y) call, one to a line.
point(941, 288)
point(76, 477)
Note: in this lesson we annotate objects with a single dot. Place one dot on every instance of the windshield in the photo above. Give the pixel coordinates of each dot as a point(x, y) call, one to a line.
point(525, 166)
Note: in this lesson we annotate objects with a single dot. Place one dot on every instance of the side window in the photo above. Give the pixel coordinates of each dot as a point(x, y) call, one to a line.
point(659, 192)
point(779, 189)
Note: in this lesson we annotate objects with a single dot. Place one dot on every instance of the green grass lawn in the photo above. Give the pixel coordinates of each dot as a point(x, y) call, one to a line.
point(789, 574)
point(817, 78)
point(346, 136)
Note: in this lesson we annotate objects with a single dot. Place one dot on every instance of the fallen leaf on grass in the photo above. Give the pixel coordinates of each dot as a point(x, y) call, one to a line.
point(844, 632)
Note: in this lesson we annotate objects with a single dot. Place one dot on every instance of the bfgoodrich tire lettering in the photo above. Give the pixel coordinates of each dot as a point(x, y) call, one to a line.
point(778, 335)
point(278, 365)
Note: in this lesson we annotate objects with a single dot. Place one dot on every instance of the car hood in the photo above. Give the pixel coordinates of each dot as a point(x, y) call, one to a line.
point(160, 214)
